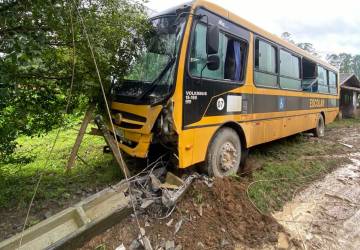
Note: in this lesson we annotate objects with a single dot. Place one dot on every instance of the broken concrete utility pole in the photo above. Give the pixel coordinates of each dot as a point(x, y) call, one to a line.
point(112, 143)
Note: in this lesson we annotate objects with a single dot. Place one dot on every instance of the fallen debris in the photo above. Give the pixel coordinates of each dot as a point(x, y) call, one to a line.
point(201, 209)
point(346, 145)
point(208, 181)
point(224, 243)
point(178, 226)
point(200, 245)
point(142, 231)
point(173, 179)
point(170, 222)
point(121, 247)
point(135, 245)
point(169, 198)
point(170, 245)
point(146, 243)
point(228, 220)
point(147, 203)
point(155, 183)
point(159, 190)
point(168, 186)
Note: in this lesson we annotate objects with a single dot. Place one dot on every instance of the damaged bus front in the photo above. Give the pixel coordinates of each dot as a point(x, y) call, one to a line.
point(142, 104)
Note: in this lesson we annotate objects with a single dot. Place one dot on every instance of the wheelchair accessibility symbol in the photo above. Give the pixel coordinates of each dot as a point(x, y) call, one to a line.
point(281, 103)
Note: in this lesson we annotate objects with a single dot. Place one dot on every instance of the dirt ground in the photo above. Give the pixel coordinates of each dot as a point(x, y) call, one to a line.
point(323, 215)
point(326, 215)
point(218, 217)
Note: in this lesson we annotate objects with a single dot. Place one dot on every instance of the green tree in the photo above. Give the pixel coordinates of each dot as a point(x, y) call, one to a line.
point(345, 62)
point(309, 47)
point(288, 37)
point(356, 65)
point(334, 60)
point(346, 65)
point(37, 56)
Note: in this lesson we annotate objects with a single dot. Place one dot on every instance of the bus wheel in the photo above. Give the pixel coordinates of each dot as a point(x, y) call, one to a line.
point(319, 131)
point(224, 154)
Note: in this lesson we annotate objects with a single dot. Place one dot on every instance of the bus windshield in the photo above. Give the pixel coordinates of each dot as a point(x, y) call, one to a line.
point(157, 51)
point(151, 73)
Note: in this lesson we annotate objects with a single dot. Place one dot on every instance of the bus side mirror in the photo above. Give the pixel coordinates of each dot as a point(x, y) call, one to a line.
point(212, 40)
point(213, 62)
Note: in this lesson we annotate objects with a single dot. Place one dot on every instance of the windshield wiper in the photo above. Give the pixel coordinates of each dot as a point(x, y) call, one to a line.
point(153, 84)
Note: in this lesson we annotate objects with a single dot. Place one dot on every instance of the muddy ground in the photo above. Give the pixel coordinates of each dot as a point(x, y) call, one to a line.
point(217, 217)
point(324, 215)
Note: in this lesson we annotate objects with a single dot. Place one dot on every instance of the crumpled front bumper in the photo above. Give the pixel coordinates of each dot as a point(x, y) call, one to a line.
point(134, 144)
point(133, 127)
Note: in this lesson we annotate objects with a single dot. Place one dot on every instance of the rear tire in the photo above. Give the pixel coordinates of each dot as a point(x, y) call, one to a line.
point(224, 154)
point(319, 131)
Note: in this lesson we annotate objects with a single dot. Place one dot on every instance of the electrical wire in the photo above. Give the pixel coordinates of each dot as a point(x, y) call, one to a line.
point(37, 187)
point(56, 137)
point(123, 164)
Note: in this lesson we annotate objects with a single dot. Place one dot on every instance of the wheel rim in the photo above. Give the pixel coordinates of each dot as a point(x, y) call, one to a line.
point(321, 127)
point(228, 157)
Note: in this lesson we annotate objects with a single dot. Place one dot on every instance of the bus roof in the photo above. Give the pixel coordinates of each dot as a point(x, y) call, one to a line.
point(172, 10)
point(253, 28)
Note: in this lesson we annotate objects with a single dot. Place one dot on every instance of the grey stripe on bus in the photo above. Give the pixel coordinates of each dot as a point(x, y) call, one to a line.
point(259, 103)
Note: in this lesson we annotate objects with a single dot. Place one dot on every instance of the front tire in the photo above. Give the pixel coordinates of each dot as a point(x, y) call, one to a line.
point(319, 131)
point(224, 154)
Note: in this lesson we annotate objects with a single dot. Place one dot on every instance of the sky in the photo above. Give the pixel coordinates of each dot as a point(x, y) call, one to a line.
point(331, 26)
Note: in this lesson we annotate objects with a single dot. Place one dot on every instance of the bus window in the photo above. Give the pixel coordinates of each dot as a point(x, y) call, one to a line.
point(332, 83)
point(309, 76)
point(323, 86)
point(231, 53)
point(289, 71)
point(265, 64)
point(199, 57)
point(235, 60)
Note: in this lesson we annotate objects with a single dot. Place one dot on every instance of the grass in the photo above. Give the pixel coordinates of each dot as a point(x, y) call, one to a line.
point(18, 177)
point(344, 123)
point(289, 164)
point(294, 158)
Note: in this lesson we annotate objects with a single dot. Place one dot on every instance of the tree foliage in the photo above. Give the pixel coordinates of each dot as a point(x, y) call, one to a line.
point(309, 47)
point(345, 62)
point(37, 58)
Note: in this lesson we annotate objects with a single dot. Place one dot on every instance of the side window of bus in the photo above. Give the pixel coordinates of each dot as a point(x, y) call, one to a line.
point(309, 82)
point(289, 71)
point(265, 64)
point(332, 82)
point(231, 54)
point(323, 86)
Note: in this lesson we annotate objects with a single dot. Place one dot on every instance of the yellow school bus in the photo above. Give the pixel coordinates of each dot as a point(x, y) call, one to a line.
point(208, 85)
